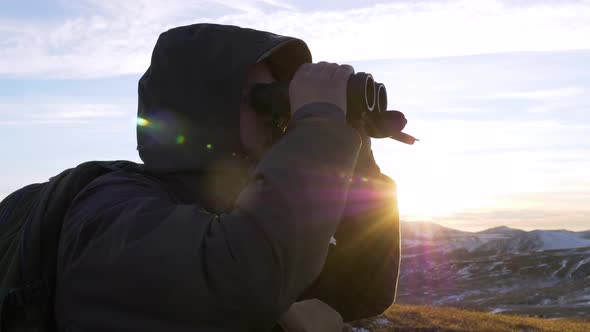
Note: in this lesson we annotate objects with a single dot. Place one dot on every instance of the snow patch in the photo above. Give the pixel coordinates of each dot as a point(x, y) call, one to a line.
point(562, 240)
point(378, 322)
point(563, 264)
point(580, 263)
point(494, 264)
point(382, 322)
point(449, 299)
point(464, 272)
point(359, 329)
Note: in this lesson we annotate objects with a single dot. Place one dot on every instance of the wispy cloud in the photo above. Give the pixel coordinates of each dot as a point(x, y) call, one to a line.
point(67, 111)
point(112, 37)
point(526, 218)
point(543, 94)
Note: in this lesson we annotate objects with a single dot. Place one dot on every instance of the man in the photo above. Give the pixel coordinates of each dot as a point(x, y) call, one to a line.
point(228, 227)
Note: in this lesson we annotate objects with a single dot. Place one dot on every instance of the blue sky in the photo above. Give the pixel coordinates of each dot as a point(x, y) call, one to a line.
point(497, 91)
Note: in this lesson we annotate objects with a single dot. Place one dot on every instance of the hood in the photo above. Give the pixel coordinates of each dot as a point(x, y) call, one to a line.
point(189, 97)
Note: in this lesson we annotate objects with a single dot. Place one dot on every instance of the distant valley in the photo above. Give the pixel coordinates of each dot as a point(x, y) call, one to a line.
point(543, 272)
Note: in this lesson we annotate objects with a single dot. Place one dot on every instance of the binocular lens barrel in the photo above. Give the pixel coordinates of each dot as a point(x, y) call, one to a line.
point(381, 93)
point(360, 94)
point(363, 95)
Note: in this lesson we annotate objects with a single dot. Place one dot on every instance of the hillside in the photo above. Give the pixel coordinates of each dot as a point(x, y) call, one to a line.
point(542, 272)
point(407, 318)
point(428, 236)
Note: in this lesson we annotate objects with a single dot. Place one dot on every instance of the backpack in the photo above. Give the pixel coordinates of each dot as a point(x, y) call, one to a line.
point(30, 225)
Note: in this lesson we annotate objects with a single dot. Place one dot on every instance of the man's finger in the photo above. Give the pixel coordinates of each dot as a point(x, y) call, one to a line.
point(328, 70)
point(343, 72)
point(303, 70)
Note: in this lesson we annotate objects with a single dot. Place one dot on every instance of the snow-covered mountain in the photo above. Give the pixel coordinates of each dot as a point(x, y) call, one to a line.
point(425, 237)
point(585, 234)
point(537, 240)
point(541, 272)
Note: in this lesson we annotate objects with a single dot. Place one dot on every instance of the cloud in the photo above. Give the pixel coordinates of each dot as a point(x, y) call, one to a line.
point(543, 94)
point(85, 111)
point(111, 37)
point(64, 111)
point(554, 209)
point(526, 219)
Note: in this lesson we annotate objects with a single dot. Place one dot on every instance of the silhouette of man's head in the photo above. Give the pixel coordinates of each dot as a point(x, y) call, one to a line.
point(190, 95)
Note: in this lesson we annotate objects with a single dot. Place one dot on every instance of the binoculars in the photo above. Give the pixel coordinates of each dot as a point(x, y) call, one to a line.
point(366, 102)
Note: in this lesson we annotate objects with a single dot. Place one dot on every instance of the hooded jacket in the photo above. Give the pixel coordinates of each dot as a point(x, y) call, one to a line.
point(206, 239)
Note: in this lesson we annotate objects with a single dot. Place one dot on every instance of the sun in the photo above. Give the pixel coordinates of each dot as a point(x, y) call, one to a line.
point(432, 187)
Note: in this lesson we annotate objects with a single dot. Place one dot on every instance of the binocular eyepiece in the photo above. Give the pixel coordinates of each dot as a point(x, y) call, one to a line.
point(366, 101)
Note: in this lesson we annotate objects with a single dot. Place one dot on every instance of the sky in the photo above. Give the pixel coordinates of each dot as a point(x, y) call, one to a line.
point(498, 92)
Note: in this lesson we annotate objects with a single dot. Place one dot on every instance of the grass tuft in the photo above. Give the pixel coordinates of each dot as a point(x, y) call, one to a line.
point(405, 318)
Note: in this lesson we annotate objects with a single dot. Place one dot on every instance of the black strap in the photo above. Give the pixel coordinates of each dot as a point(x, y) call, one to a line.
point(33, 293)
point(29, 301)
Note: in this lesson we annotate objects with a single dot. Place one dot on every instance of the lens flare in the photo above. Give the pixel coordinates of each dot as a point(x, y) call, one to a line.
point(142, 122)
point(180, 139)
point(209, 146)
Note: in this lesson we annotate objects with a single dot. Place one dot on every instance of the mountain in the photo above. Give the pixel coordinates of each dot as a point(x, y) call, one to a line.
point(537, 240)
point(429, 230)
point(419, 238)
point(501, 231)
point(543, 272)
point(429, 237)
point(585, 234)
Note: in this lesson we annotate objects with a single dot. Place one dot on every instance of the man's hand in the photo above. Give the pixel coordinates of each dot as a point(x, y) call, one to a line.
point(320, 82)
point(365, 164)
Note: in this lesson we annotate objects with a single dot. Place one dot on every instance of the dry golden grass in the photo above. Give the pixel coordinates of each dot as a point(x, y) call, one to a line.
point(424, 318)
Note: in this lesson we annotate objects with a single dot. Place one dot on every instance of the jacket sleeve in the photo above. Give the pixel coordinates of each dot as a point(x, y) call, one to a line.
point(360, 276)
point(126, 247)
